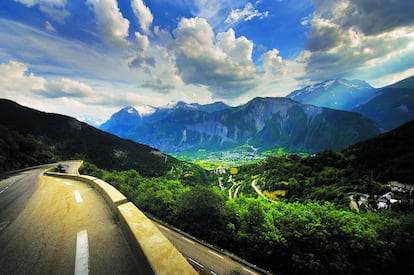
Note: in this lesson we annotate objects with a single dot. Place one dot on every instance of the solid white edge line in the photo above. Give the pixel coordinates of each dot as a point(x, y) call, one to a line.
point(248, 270)
point(77, 196)
point(215, 254)
point(165, 228)
point(195, 262)
point(82, 254)
point(188, 240)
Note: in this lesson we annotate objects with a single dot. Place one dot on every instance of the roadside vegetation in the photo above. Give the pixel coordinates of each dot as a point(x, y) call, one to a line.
point(310, 230)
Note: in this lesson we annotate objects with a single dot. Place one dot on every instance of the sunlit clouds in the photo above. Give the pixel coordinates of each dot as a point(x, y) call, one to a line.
point(108, 53)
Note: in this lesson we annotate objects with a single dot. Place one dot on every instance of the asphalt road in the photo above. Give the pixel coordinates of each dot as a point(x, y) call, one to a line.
point(203, 258)
point(58, 226)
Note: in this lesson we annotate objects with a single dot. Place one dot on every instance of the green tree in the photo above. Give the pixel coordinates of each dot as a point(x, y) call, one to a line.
point(201, 212)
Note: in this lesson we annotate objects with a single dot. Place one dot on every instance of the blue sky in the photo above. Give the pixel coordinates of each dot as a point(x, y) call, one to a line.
point(89, 58)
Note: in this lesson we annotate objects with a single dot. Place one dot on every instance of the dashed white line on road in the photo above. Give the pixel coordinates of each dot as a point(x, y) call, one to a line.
point(67, 183)
point(7, 187)
point(195, 262)
point(3, 225)
point(188, 240)
point(215, 254)
point(78, 196)
point(82, 254)
point(248, 270)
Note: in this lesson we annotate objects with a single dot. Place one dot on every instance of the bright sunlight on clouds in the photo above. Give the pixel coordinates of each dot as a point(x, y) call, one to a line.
point(89, 58)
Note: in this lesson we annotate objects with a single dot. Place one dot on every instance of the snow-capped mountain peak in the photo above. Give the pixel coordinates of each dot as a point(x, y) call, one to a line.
point(337, 93)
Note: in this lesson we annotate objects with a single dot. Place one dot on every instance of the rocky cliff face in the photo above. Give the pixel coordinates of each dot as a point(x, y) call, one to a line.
point(263, 123)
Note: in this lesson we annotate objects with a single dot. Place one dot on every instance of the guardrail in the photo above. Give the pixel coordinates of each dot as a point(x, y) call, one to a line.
point(210, 246)
point(143, 236)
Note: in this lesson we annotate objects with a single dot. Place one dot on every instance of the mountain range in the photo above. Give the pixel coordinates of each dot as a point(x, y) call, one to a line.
point(329, 115)
point(389, 106)
point(26, 132)
point(74, 139)
point(262, 123)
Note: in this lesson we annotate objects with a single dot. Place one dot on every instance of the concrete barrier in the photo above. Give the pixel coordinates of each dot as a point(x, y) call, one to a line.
point(146, 238)
point(143, 236)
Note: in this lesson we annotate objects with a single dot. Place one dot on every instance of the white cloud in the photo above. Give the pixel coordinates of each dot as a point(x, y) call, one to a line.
point(349, 38)
point(54, 8)
point(144, 15)
point(273, 62)
point(65, 87)
point(142, 41)
point(223, 63)
point(245, 14)
point(215, 11)
point(49, 27)
point(142, 58)
point(15, 78)
point(113, 25)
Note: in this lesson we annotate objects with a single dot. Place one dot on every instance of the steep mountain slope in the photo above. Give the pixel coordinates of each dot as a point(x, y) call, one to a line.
point(389, 156)
point(392, 105)
point(338, 94)
point(122, 122)
point(405, 83)
point(389, 106)
point(77, 139)
point(263, 123)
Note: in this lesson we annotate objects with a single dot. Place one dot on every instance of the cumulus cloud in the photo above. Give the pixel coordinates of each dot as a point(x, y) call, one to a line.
point(54, 8)
point(223, 62)
point(273, 62)
point(352, 36)
point(373, 17)
point(245, 14)
point(144, 15)
point(65, 87)
point(15, 78)
point(142, 56)
point(113, 25)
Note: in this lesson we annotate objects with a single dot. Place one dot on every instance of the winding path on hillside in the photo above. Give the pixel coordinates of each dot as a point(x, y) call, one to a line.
point(258, 191)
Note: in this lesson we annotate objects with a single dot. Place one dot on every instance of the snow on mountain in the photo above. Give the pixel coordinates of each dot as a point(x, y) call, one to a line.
point(339, 94)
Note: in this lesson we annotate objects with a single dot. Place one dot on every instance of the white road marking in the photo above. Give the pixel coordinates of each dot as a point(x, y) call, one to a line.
point(165, 228)
point(7, 187)
point(195, 262)
point(82, 254)
point(67, 183)
point(78, 196)
point(248, 270)
point(214, 273)
point(215, 254)
point(188, 240)
point(3, 225)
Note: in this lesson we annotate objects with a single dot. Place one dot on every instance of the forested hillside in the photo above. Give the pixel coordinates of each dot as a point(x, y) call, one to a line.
point(19, 151)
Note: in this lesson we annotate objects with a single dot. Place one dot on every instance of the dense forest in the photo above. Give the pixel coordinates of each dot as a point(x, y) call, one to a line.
point(19, 151)
point(310, 231)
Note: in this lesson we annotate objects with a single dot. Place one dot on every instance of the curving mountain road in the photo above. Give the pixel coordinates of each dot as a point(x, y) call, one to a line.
point(58, 226)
